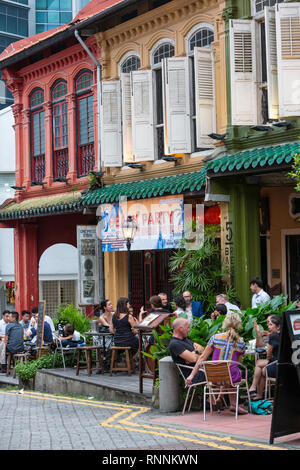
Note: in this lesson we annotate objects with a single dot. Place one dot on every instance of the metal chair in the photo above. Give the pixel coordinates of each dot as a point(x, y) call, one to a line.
point(180, 367)
point(218, 375)
point(269, 382)
point(65, 350)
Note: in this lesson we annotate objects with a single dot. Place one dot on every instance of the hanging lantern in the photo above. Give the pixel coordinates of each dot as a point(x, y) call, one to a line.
point(212, 215)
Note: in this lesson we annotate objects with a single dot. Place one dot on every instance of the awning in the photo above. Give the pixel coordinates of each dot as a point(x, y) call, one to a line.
point(175, 184)
point(41, 206)
point(261, 158)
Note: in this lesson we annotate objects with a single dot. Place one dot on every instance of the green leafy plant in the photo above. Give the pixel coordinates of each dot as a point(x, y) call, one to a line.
point(200, 271)
point(71, 314)
point(295, 173)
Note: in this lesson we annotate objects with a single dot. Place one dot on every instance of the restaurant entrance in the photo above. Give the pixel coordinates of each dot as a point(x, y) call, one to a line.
point(150, 276)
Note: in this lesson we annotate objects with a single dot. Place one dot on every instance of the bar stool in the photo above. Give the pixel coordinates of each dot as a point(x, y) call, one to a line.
point(115, 350)
point(11, 359)
point(87, 364)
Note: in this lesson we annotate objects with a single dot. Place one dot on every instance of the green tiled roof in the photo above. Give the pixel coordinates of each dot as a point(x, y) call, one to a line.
point(176, 184)
point(255, 158)
point(39, 206)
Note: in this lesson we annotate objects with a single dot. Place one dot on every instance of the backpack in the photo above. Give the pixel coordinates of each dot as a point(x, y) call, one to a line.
point(261, 407)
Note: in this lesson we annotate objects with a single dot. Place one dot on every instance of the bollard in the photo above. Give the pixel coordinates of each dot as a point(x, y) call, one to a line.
point(169, 399)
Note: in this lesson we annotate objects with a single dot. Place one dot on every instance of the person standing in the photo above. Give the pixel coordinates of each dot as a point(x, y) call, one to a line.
point(192, 306)
point(259, 295)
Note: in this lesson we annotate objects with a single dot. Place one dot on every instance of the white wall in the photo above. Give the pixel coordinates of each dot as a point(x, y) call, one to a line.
point(7, 160)
point(59, 261)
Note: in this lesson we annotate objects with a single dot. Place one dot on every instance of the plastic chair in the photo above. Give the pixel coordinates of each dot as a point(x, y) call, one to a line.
point(218, 375)
point(65, 350)
point(269, 382)
point(180, 367)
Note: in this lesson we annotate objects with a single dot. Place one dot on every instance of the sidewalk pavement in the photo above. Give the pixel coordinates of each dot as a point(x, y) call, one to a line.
point(251, 426)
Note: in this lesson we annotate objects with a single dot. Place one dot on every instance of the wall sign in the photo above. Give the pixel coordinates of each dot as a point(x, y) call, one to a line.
point(160, 223)
point(88, 259)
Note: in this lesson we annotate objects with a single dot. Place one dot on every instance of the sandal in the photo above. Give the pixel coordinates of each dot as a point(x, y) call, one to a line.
point(252, 392)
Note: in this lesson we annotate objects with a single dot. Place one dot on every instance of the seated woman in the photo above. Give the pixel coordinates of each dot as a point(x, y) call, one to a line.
point(106, 317)
point(180, 309)
point(225, 346)
point(71, 337)
point(122, 327)
point(257, 388)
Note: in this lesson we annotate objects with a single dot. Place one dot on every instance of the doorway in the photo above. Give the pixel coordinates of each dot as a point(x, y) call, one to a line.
point(292, 243)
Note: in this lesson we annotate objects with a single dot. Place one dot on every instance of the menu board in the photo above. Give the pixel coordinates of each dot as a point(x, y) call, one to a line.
point(88, 259)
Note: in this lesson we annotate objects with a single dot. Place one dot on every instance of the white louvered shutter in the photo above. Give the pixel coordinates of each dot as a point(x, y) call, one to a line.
point(126, 117)
point(178, 105)
point(142, 115)
point(288, 55)
point(204, 95)
point(243, 72)
point(271, 56)
point(111, 131)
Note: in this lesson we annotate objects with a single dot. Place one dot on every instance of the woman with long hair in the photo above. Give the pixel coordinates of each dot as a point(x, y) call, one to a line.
point(180, 308)
point(259, 379)
point(107, 314)
point(122, 326)
point(225, 346)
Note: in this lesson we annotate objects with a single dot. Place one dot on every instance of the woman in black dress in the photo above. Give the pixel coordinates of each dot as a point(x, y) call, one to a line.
point(122, 327)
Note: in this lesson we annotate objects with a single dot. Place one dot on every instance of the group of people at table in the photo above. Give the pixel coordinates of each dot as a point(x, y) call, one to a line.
point(20, 336)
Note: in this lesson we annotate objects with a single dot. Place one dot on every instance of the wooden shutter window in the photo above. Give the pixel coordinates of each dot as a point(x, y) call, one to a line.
point(242, 52)
point(290, 37)
point(271, 59)
point(111, 133)
point(126, 117)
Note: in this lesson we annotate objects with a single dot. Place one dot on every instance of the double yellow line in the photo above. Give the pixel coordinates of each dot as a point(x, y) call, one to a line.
point(119, 420)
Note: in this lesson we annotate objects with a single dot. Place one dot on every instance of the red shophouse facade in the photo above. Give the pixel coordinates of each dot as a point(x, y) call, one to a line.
point(55, 112)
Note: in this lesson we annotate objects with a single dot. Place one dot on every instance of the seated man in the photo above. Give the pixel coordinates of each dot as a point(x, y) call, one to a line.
point(47, 338)
point(183, 350)
point(71, 337)
point(192, 306)
point(14, 333)
point(25, 322)
point(48, 319)
point(3, 324)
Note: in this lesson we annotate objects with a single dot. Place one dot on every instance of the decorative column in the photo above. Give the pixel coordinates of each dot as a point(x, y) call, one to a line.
point(26, 266)
point(48, 144)
point(19, 144)
point(72, 140)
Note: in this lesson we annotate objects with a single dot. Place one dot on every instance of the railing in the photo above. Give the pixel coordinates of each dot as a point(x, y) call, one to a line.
point(61, 163)
point(86, 159)
point(38, 168)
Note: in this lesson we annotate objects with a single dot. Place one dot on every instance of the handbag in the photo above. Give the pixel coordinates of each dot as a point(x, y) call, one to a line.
point(261, 407)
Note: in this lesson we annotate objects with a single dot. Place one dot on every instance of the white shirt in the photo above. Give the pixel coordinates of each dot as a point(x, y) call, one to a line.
point(76, 336)
point(233, 307)
point(185, 314)
point(260, 298)
point(3, 326)
point(47, 319)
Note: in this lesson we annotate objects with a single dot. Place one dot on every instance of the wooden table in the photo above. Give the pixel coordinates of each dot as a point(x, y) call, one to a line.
point(99, 334)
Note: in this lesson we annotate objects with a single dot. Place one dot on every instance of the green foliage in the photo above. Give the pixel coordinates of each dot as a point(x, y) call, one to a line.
point(27, 370)
point(202, 329)
point(71, 314)
point(295, 173)
point(200, 272)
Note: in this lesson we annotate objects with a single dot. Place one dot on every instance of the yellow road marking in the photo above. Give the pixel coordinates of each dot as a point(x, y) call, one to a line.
point(134, 411)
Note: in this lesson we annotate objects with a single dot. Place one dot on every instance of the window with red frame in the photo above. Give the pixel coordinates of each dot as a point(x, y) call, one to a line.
point(37, 135)
point(60, 130)
point(85, 123)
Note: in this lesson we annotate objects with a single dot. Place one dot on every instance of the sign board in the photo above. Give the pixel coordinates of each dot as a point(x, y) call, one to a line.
point(40, 324)
point(160, 223)
point(286, 409)
point(88, 261)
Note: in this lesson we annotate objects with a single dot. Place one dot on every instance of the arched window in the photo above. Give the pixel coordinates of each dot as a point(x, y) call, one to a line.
point(37, 135)
point(163, 50)
point(130, 64)
point(84, 123)
point(60, 129)
point(201, 38)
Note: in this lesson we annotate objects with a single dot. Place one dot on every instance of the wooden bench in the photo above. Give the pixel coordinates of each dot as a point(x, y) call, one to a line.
point(115, 350)
point(88, 363)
